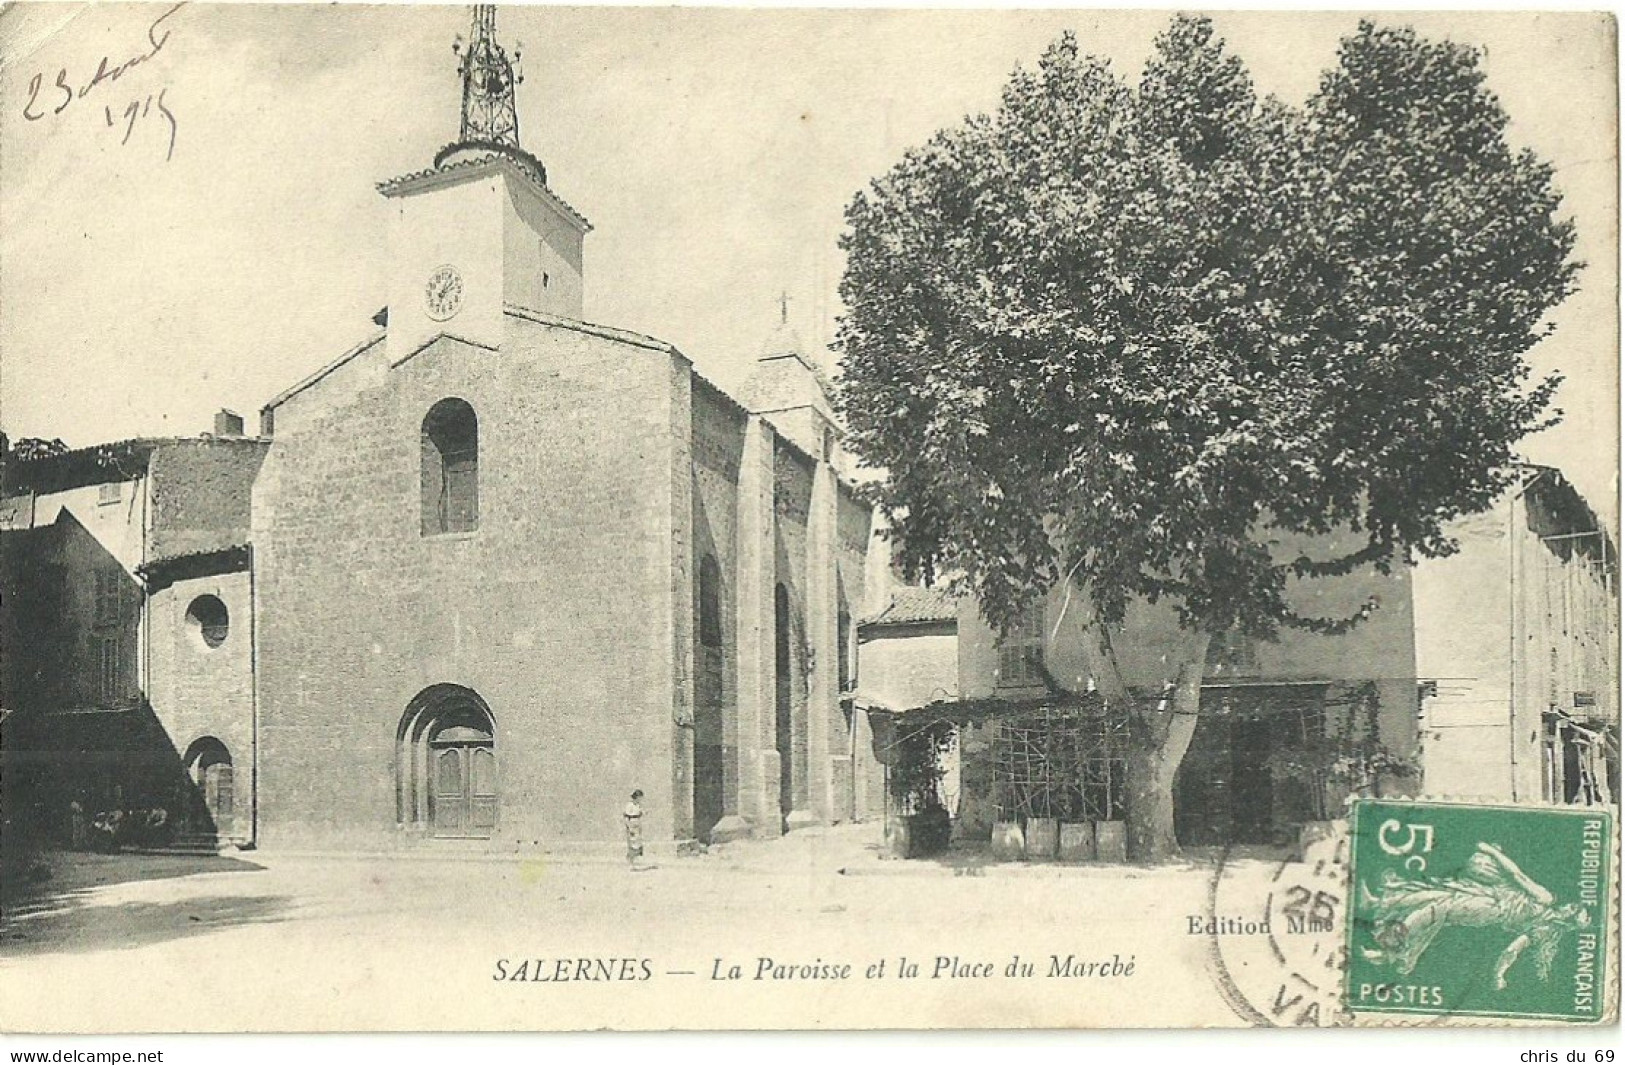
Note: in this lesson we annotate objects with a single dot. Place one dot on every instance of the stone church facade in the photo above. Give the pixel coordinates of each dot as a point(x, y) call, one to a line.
point(512, 566)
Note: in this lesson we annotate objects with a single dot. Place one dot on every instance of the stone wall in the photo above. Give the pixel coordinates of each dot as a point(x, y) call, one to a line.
point(793, 476)
point(201, 492)
point(717, 452)
point(558, 610)
point(200, 692)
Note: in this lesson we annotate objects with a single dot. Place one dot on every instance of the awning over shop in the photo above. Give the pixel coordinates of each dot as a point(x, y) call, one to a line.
point(1237, 699)
point(985, 708)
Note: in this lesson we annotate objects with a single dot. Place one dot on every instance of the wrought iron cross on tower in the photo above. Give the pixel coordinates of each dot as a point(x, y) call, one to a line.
point(489, 115)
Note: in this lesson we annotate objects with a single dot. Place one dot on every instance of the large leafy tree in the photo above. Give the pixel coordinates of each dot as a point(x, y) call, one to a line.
point(1128, 336)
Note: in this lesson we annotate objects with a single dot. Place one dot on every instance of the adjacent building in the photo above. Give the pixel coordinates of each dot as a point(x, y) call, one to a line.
point(127, 623)
point(1517, 648)
point(1490, 674)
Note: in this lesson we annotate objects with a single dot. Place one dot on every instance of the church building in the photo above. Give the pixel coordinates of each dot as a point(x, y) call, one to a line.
point(510, 565)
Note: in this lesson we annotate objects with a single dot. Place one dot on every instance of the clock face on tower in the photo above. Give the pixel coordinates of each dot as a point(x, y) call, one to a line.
point(443, 295)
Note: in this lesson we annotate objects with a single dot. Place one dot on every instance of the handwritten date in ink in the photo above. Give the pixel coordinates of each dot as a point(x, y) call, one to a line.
point(141, 109)
point(40, 96)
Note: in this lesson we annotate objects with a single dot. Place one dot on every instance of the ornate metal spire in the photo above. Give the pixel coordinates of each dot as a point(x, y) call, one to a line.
point(489, 115)
point(490, 119)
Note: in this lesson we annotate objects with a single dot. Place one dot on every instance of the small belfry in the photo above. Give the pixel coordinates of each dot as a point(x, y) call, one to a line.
point(488, 84)
point(790, 390)
point(480, 233)
point(490, 116)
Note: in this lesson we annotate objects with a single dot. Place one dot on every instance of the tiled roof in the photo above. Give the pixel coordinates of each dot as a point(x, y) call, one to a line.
point(1575, 510)
point(226, 547)
point(160, 573)
point(288, 393)
point(914, 606)
point(479, 162)
point(116, 460)
point(607, 332)
point(986, 708)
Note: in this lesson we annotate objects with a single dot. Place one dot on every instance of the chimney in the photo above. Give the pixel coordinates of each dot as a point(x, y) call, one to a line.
point(228, 423)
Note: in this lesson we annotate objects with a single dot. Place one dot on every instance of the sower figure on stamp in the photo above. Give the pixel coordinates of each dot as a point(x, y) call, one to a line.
point(633, 817)
point(1489, 891)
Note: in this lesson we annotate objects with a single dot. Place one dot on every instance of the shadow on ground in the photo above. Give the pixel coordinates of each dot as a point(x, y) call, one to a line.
point(76, 928)
point(29, 876)
point(977, 859)
point(49, 901)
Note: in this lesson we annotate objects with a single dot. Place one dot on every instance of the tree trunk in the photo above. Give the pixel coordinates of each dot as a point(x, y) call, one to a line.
point(1158, 741)
point(1159, 734)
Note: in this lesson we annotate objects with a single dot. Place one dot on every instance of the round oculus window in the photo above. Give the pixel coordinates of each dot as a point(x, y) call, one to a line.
point(207, 617)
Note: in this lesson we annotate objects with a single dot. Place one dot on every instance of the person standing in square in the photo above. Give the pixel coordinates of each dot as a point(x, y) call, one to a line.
point(633, 817)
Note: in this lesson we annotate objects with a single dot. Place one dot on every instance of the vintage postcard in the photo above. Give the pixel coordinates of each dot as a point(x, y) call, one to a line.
point(541, 518)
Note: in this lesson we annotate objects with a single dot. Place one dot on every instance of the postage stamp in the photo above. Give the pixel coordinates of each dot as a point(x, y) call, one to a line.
point(1479, 911)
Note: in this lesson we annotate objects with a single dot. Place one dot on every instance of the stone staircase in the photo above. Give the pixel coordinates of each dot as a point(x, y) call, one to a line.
point(194, 843)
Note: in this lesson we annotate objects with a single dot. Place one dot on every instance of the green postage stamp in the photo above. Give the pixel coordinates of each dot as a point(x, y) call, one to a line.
point(1479, 911)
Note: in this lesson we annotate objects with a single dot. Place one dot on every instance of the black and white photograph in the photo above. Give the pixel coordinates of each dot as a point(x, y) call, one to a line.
point(537, 518)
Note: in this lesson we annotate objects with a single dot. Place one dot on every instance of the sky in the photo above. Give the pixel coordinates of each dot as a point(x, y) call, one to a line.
point(203, 230)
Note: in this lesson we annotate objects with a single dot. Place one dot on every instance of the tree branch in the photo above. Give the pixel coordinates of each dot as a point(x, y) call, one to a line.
point(1377, 548)
point(1331, 626)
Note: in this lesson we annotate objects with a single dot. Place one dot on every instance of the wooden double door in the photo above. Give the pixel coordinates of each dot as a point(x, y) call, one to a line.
point(463, 800)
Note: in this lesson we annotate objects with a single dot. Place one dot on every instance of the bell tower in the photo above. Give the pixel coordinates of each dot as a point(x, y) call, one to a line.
point(789, 389)
point(480, 228)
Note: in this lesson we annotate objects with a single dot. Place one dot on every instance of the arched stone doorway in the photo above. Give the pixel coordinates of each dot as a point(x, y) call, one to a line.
point(446, 780)
point(209, 768)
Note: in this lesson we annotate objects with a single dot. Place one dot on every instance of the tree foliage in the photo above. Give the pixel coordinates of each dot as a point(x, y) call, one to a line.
point(1130, 335)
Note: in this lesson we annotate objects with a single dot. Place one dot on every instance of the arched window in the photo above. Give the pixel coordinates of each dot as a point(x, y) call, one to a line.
point(710, 602)
point(845, 675)
point(451, 468)
point(446, 767)
point(783, 703)
point(781, 642)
